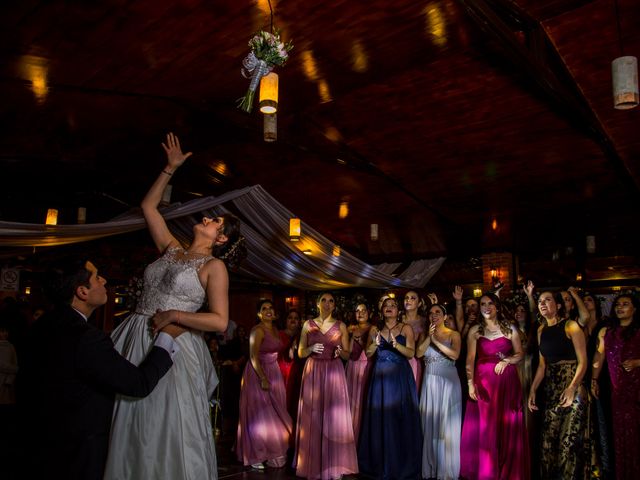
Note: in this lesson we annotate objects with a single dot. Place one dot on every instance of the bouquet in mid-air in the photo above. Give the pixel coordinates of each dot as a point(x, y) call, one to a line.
point(267, 52)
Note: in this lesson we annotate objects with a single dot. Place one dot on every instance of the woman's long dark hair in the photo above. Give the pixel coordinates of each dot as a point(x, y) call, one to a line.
point(572, 314)
point(557, 297)
point(234, 250)
point(503, 322)
point(633, 327)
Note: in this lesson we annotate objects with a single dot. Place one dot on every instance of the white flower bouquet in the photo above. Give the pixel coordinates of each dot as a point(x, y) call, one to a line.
point(267, 51)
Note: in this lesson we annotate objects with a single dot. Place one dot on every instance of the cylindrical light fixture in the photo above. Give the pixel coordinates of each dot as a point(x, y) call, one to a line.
point(52, 217)
point(166, 195)
point(294, 229)
point(374, 231)
point(270, 127)
point(343, 210)
point(625, 82)
point(82, 215)
point(269, 93)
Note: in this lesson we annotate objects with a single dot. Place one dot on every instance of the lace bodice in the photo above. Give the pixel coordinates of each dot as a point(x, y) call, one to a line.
point(172, 283)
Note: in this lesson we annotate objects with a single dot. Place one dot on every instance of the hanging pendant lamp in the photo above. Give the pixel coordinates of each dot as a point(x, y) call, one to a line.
point(269, 93)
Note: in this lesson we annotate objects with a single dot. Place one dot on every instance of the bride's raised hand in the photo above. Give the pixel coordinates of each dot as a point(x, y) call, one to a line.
point(175, 157)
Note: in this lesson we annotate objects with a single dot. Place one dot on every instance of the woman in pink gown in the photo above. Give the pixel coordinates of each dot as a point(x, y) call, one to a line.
point(619, 344)
point(325, 446)
point(494, 443)
point(358, 365)
point(265, 426)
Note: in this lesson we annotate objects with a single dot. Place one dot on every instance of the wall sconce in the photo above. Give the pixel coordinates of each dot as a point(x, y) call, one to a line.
point(52, 217)
point(294, 229)
point(336, 250)
point(477, 292)
point(166, 196)
point(495, 274)
point(494, 224)
point(343, 210)
point(270, 128)
point(82, 215)
point(269, 93)
point(591, 244)
point(578, 277)
point(374, 231)
point(27, 290)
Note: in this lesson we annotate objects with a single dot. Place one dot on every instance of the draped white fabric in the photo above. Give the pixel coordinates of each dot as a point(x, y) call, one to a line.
point(265, 225)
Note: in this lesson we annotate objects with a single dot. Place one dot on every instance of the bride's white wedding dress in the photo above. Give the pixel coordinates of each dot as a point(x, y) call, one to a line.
point(168, 434)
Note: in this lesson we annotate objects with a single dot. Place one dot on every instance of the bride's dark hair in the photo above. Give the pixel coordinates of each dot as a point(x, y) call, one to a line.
point(234, 250)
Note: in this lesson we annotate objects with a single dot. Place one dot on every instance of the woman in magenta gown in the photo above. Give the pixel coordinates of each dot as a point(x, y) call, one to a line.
point(494, 443)
point(265, 426)
point(325, 446)
point(619, 344)
point(358, 365)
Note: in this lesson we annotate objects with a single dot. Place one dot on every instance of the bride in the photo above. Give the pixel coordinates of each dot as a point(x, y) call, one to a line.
point(168, 435)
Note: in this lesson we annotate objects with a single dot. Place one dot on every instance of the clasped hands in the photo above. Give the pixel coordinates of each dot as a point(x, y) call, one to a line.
point(165, 321)
point(394, 343)
point(319, 348)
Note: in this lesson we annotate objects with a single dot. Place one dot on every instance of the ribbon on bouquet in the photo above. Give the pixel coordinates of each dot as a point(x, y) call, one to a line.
point(255, 69)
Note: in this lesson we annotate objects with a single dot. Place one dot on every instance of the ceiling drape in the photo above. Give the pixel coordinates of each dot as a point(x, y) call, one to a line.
point(265, 225)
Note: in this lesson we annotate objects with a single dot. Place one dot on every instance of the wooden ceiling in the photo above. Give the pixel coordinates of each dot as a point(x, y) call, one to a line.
point(432, 119)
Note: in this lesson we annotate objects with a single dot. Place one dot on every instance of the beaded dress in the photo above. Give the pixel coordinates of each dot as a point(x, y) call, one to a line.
point(167, 434)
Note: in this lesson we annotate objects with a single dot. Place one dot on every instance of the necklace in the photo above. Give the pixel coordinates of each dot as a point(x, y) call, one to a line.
point(391, 328)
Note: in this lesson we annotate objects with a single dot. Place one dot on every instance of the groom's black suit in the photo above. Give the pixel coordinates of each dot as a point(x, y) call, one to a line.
point(70, 374)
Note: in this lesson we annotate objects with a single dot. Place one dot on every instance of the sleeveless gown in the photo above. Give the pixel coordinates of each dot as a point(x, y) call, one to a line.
point(325, 448)
point(357, 372)
point(494, 443)
point(625, 396)
point(441, 413)
point(265, 425)
point(417, 366)
point(390, 444)
point(167, 434)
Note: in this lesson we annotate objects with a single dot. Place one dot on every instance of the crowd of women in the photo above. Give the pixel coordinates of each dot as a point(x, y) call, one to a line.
point(402, 408)
point(382, 397)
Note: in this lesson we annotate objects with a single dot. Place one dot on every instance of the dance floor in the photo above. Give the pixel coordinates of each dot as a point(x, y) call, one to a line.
point(229, 467)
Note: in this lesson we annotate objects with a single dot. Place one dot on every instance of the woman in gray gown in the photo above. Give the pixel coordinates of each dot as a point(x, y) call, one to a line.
point(440, 398)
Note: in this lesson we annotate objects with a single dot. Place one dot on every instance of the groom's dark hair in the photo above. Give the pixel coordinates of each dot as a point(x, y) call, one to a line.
point(64, 277)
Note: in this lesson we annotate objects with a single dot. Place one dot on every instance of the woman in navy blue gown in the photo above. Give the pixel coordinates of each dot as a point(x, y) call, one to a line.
point(390, 445)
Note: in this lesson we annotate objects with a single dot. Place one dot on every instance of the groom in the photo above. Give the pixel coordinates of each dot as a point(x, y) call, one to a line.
point(70, 375)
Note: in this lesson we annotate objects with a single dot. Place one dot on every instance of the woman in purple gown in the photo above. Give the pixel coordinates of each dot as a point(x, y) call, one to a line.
point(358, 366)
point(494, 443)
point(325, 446)
point(619, 345)
point(265, 425)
